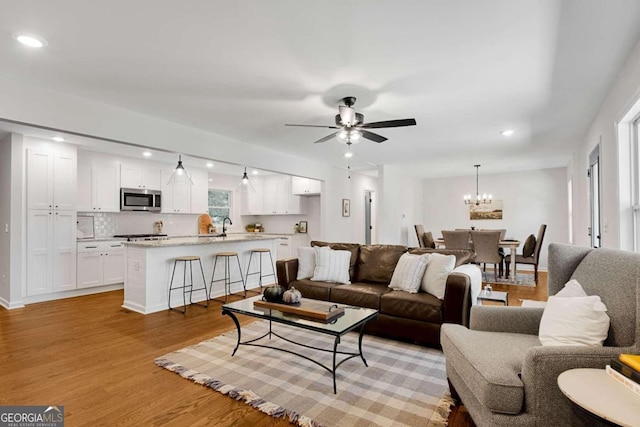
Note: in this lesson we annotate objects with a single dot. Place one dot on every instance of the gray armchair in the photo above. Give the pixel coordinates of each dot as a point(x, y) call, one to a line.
point(502, 373)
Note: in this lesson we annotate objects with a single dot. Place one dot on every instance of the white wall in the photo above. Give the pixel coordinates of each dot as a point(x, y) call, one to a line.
point(5, 218)
point(400, 207)
point(530, 198)
point(335, 227)
point(623, 93)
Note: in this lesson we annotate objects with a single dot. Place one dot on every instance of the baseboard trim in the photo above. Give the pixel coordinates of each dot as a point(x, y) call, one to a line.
point(11, 305)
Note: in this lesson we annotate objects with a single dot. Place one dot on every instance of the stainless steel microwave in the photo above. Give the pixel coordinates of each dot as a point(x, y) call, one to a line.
point(136, 199)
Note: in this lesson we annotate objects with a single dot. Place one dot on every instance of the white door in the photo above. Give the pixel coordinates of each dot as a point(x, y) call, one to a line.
point(39, 253)
point(64, 250)
point(90, 268)
point(64, 181)
point(595, 197)
point(39, 179)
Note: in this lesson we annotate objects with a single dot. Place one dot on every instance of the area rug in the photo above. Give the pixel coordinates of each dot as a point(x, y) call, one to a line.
point(523, 279)
point(403, 385)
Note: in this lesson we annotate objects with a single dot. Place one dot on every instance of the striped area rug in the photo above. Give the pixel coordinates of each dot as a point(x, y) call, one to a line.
point(403, 385)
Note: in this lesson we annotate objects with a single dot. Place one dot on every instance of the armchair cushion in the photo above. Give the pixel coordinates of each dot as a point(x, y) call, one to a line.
point(493, 376)
point(574, 321)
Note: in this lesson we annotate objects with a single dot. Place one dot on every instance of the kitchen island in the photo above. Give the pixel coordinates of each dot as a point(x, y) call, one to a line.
point(149, 264)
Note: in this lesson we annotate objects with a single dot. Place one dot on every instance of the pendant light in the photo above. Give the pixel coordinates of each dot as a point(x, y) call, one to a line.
point(485, 199)
point(245, 185)
point(179, 175)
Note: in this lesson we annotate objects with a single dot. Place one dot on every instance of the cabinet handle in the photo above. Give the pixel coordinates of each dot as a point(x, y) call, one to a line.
point(90, 247)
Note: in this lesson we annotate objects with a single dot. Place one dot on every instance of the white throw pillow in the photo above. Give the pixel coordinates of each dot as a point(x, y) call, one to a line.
point(572, 289)
point(574, 321)
point(331, 266)
point(408, 273)
point(306, 262)
point(434, 280)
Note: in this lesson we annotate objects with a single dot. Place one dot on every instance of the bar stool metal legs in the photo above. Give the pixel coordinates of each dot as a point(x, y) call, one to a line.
point(187, 288)
point(260, 251)
point(227, 274)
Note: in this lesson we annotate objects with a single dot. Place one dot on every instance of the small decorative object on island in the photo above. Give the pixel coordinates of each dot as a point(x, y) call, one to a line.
point(251, 228)
point(273, 293)
point(291, 296)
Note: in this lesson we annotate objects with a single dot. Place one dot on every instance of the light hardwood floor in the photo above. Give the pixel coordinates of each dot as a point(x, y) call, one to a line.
point(96, 359)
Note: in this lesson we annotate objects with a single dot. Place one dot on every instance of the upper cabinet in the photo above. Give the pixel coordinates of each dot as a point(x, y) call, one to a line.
point(51, 178)
point(98, 186)
point(251, 198)
point(185, 198)
point(305, 186)
point(140, 176)
point(276, 196)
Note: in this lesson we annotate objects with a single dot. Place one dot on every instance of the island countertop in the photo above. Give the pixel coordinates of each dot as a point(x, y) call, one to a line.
point(191, 241)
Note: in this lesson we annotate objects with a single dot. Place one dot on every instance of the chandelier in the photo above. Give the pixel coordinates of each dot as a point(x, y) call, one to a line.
point(485, 199)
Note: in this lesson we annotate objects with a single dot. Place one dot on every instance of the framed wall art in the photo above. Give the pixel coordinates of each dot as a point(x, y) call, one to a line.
point(346, 207)
point(302, 227)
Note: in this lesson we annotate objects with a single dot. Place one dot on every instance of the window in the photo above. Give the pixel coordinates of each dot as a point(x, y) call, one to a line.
point(219, 205)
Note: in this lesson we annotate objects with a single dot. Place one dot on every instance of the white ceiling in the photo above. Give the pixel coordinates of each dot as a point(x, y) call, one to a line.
point(464, 69)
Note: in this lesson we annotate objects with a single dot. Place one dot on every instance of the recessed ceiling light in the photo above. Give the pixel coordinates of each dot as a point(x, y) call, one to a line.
point(348, 154)
point(254, 172)
point(507, 132)
point(30, 40)
point(210, 179)
point(58, 139)
point(147, 153)
point(209, 165)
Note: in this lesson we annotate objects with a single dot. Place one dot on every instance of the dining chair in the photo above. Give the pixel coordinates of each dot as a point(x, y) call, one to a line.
point(535, 257)
point(420, 235)
point(486, 246)
point(456, 239)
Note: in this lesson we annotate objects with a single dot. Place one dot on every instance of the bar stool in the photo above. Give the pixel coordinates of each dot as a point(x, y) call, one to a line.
point(259, 251)
point(187, 288)
point(227, 273)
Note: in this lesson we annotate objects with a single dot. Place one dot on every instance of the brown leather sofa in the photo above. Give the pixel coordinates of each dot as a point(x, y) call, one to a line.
point(414, 317)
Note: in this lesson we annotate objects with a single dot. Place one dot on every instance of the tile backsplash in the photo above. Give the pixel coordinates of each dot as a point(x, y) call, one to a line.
point(107, 224)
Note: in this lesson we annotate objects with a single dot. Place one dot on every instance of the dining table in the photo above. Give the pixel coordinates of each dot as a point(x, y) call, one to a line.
point(510, 244)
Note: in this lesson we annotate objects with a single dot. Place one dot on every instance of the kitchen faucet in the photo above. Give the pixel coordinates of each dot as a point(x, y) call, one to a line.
point(224, 226)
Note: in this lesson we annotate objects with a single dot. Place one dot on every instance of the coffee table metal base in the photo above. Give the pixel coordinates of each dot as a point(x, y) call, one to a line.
point(269, 333)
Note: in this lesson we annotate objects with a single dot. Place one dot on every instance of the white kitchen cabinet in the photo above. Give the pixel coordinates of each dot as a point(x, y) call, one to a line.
point(277, 196)
point(51, 251)
point(283, 248)
point(305, 186)
point(100, 263)
point(199, 192)
point(51, 178)
point(176, 198)
point(98, 187)
point(140, 176)
point(251, 199)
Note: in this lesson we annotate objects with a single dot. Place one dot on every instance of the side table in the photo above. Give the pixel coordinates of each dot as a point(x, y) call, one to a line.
point(596, 392)
point(502, 297)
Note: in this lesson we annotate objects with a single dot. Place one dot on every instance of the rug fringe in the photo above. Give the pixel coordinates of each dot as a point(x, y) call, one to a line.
point(246, 396)
point(440, 416)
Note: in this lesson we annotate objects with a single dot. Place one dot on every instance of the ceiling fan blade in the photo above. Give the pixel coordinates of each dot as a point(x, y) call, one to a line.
point(372, 136)
point(315, 126)
point(389, 124)
point(326, 138)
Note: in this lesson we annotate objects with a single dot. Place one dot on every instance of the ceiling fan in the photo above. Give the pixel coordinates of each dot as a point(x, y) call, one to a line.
point(351, 126)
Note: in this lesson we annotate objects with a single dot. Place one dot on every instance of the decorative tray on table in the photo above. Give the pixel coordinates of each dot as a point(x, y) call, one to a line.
point(320, 310)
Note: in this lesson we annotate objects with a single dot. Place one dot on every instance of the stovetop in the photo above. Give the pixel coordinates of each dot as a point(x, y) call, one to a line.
point(135, 237)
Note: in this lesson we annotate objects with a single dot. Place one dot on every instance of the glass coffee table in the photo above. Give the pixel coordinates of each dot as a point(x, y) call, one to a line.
point(353, 318)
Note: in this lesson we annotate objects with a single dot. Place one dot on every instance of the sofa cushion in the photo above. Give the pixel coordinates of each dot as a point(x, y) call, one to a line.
point(376, 263)
point(490, 363)
point(463, 256)
point(354, 248)
point(314, 290)
point(359, 294)
point(420, 306)
point(438, 269)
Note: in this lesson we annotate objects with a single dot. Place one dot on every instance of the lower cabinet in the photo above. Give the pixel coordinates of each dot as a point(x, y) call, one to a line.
point(100, 263)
